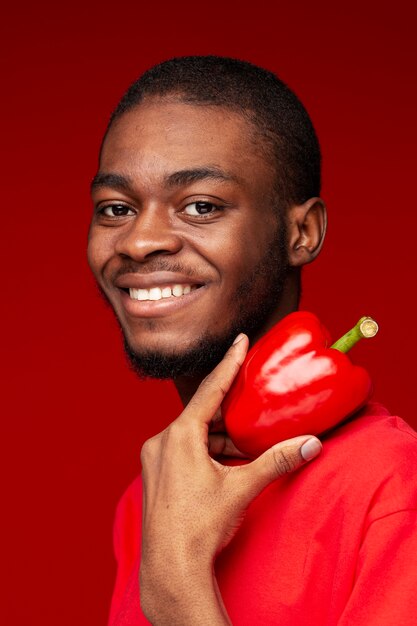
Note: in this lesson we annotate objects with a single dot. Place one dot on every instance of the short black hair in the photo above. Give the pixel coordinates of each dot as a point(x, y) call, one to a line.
point(291, 142)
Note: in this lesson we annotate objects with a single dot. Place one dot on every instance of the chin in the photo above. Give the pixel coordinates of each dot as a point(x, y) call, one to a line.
point(177, 358)
point(157, 339)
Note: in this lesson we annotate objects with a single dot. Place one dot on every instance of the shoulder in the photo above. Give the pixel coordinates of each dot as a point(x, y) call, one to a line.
point(366, 471)
point(373, 457)
point(374, 434)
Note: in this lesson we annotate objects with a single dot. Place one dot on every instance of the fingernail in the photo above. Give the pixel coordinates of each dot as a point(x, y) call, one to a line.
point(238, 338)
point(310, 449)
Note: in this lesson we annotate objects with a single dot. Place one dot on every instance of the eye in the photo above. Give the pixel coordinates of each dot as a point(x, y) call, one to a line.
point(200, 208)
point(116, 210)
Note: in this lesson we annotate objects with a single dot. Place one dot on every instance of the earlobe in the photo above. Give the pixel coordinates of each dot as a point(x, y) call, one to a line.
point(306, 231)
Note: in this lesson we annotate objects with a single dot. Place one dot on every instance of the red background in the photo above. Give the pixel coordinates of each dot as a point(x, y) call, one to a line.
point(74, 417)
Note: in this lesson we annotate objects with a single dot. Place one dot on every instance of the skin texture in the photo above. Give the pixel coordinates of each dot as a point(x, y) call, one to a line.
point(194, 504)
point(220, 251)
point(145, 230)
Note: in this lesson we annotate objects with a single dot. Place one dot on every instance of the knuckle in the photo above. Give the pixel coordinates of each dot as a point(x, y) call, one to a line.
point(176, 431)
point(149, 450)
point(179, 434)
point(284, 461)
point(145, 453)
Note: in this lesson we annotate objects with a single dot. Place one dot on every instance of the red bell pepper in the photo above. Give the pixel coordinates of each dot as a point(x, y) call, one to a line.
point(292, 383)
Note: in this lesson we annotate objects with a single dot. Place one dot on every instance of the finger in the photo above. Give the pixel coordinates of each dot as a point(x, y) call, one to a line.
point(279, 460)
point(217, 423)
point(209, 396)
point(221, 445)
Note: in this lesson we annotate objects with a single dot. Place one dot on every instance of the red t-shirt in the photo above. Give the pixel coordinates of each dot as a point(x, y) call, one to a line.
point(333, 543)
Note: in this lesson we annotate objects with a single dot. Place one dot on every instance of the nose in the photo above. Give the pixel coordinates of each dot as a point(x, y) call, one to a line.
point(150, 233)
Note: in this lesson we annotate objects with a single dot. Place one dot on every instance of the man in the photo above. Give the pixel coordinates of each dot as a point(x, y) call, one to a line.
point(206, 206)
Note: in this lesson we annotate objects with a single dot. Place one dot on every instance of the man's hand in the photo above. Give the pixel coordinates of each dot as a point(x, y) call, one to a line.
point(193, 504)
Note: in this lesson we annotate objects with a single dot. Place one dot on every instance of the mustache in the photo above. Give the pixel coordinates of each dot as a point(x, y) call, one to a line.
point(153, 265)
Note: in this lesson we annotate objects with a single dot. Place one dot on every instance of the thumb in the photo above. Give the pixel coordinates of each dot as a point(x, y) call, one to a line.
point(281, 459)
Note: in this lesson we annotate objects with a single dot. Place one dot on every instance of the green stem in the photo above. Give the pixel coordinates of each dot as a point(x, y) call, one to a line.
point(365, 328)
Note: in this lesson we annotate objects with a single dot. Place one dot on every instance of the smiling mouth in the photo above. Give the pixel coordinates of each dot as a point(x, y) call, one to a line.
point(159, 293)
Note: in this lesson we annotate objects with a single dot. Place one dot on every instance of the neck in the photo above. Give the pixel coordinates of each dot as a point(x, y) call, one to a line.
point(187, 385)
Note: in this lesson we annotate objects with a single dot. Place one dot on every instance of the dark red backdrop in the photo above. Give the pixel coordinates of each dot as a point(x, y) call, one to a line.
point(74, 417)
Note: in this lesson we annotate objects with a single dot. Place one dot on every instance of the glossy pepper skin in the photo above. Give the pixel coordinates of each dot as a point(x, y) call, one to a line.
point(291, 383)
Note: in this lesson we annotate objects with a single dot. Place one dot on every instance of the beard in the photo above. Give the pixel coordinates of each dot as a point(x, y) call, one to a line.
point(254, 300)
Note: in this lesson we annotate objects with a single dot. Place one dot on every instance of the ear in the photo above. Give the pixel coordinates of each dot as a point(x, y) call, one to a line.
point(307, 225)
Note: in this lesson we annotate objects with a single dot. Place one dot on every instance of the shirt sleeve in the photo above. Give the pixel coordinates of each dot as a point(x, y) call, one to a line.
point(384, 592)
point(126, 541)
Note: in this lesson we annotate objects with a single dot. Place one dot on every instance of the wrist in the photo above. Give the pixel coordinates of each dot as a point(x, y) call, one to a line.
point(187, 596)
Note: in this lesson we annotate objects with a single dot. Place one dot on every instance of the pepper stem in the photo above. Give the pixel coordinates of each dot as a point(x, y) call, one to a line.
point(366, 327)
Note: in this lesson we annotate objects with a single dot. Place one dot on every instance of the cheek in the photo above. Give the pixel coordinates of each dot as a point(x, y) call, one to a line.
point(97, 251)
point(244, 252)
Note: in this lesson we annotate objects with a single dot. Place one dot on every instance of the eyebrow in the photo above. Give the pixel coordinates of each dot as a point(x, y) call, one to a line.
point(115, 181)
point(176, 179)
point(188, 176)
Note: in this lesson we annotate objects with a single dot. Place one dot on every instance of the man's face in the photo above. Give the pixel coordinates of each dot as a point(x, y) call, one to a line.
point(184, 241)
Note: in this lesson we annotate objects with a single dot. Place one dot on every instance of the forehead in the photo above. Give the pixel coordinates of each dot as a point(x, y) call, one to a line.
point(162, 134)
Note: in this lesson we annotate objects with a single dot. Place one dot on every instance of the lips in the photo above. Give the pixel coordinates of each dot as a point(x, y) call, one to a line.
point(159, 280)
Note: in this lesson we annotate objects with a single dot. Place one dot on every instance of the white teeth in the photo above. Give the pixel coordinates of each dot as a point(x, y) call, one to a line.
point(157, 293)
point(177, 290)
